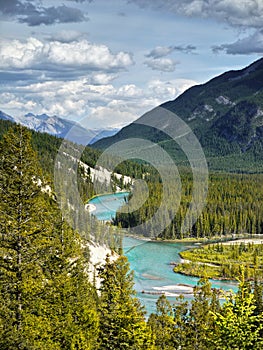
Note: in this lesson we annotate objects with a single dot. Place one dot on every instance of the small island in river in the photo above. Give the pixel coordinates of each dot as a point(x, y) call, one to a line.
point(223, 260)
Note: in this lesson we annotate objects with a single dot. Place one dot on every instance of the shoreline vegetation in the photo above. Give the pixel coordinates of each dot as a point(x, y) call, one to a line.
point(222, 260)
point(220, 266)
point(193, 240)
point(229, 269)
point(207, 240)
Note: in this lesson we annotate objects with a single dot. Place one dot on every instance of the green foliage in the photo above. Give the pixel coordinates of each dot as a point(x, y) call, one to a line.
point(162, 324)
point(237, 326)
point(46, 301)
point(200, 319)
point(223, 261)
point(122, 324)
point(233, 206)
point(208, 324)
point(24, 239)
point(185, 326)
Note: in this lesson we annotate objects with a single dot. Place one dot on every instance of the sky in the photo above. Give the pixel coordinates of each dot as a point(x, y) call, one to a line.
point(105, 63)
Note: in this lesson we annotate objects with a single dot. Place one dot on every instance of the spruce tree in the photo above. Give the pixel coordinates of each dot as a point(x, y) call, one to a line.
point(201, 320)
point(237, 325)
point(25, 241)
point(72, 300)
point(122, 324)
point(163, 325)
point(46, 301)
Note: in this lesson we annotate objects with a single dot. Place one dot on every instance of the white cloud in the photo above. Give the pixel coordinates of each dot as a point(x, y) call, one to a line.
point(102, 78)
point(66, 36)
point(35, 54)
point(17, 103)
point(161, 64)
point(130, 91)
point(85, 54)
point(17, 54)
point(248, 45)
point(116, 114)
point(130, 102)
point(245, 13)
point(167, 90)
point(100, 105)
point(160, 51)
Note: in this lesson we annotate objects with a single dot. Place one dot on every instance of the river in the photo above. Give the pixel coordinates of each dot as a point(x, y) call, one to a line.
point(151, 260)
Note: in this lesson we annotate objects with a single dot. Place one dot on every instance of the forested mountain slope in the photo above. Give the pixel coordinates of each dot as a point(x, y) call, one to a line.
point(226, 115)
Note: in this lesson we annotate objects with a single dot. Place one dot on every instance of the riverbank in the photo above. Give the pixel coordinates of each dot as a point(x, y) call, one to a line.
point(215, 239)
point(246, 241)
point(150, 260)
point(105, 206)
point(107, 194)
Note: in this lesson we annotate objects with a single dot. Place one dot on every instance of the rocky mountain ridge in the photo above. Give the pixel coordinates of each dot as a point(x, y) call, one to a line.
point(59, 127)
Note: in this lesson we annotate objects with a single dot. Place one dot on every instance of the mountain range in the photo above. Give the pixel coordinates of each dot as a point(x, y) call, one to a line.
point(226, 115)
point(59, 127)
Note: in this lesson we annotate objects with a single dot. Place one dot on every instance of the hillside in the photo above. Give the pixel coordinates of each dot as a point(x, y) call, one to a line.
point(226, 115)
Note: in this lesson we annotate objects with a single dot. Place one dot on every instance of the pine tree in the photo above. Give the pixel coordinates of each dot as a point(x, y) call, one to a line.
point(72, 300)
point(238, 327)
point(181, 319)
point(201, 322)
point(25, 240)
point(46, 301)
point(162, 324)
point(122, 324)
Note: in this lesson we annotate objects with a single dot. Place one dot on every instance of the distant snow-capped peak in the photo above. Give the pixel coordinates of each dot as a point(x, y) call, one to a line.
point(60, 127)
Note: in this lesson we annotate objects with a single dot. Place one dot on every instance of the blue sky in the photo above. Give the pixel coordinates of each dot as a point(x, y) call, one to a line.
point(107, 62)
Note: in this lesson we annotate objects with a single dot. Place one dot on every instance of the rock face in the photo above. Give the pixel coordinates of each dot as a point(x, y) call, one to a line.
point(98, 254)
point(226, 114)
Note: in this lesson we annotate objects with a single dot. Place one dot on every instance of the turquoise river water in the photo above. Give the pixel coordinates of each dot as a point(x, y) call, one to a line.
point(151, 260)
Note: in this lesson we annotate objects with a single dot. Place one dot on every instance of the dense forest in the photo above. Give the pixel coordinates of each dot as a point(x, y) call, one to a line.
point(47, 300)
point(233, 206)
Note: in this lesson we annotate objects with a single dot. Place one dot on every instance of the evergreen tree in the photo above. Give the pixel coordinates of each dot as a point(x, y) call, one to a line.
point(122, 324)
point(162, 324)
point(200, 322)
point(258, 295)
point(181, 319)
point(238, 327)
point(25, 241)
point(72, 300)
point(45, 299)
